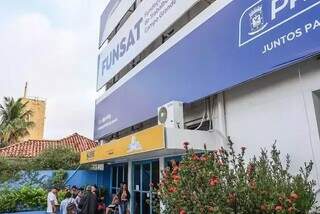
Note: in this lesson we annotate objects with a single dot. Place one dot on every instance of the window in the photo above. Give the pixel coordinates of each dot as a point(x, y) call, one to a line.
point(170, 31)
point(316, 101)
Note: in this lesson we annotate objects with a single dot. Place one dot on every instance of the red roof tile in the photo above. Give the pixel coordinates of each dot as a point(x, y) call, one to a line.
point(32, 148)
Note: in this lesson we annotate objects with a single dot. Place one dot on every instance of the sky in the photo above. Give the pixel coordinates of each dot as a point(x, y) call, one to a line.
point(53, 45)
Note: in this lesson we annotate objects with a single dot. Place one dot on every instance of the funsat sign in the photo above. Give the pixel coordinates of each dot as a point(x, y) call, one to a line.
point(148, 21)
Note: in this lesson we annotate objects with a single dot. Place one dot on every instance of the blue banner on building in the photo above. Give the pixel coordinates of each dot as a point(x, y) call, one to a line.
point(244, 40)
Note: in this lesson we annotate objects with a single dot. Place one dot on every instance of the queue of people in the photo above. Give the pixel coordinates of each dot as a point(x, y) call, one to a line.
point(78, 201)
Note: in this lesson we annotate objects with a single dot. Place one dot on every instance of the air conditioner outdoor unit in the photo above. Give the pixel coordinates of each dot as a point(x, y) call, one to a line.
point(171, 115)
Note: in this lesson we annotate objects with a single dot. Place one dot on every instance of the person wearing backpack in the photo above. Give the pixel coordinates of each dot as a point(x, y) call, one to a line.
point(68, 205)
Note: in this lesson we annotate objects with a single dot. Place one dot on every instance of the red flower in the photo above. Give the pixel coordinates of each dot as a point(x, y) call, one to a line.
point(214, 181)
point(204, 158)
point(182, 211)
point(176, 177)
point(195, 157)
point(278, 208)
point(172, 189)
point(175, 170)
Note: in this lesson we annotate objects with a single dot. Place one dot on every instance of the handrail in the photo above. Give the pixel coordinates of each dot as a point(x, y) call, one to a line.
point(77, 169)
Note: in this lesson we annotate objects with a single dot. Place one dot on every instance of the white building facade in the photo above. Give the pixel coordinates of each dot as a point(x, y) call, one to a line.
point(248, 70)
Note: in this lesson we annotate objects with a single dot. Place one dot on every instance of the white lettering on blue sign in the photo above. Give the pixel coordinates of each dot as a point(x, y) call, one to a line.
point(279, 5)
point(149, 21)
point(291, 36)
point(121, 48)
point(267, 15)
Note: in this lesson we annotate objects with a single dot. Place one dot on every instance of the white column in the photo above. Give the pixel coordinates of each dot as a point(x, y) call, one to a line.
point(161, 167)
point(130, 185)
point(221, 126)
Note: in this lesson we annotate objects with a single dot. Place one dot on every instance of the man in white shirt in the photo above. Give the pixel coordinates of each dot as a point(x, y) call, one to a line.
point(52, 201)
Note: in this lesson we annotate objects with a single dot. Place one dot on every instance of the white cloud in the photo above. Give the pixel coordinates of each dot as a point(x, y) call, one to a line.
point(58, 62)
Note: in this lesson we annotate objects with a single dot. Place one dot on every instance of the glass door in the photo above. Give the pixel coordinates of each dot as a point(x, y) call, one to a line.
point(119, 175)
point(144, 173)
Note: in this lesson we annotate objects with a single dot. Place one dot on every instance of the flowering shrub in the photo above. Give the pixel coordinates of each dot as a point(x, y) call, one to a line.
point(223, 182)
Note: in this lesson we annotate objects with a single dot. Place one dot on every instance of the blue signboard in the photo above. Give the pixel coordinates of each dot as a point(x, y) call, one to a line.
point(244, 40)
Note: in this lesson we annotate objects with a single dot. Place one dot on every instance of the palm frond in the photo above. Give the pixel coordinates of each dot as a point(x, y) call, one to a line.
point(14, 120)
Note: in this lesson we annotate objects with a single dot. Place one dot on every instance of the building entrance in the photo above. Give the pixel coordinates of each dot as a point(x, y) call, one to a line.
point(119, 175)
point(144, 173)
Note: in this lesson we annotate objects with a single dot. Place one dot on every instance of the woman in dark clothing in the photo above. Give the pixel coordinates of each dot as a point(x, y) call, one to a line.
point(124, 196)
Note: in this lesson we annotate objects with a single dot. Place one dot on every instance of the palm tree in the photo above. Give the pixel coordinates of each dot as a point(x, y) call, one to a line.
point(14, 120)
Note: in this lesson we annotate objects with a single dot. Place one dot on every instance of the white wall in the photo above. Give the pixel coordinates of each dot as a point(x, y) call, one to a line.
point(278, 107)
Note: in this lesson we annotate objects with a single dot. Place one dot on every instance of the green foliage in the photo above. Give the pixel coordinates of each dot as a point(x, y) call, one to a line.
point(14, 120)
point(8, 171)
point(61, 195)
point(223, 182)
point(58, 179)
point(50, 159)
point(23, 198)
point(33, 178)
point(11, 168)
point(56, 158)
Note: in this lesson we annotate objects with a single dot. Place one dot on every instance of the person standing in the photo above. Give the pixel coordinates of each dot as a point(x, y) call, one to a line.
point(88, 204)
point(68, 205)
point(79, 197)
point(52, 201)
point(101, 209)
point(74, 191)
point(124, 197)
point(113, 208)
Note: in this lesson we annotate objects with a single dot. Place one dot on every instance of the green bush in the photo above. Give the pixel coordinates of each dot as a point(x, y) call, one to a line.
point(55, 159)
point(23, 198)
point(223, 182)
point(50, 159)
point(58, 179)
point(10, 168)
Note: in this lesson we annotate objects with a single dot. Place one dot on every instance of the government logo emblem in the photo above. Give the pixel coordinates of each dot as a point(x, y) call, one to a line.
point(256, 20)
